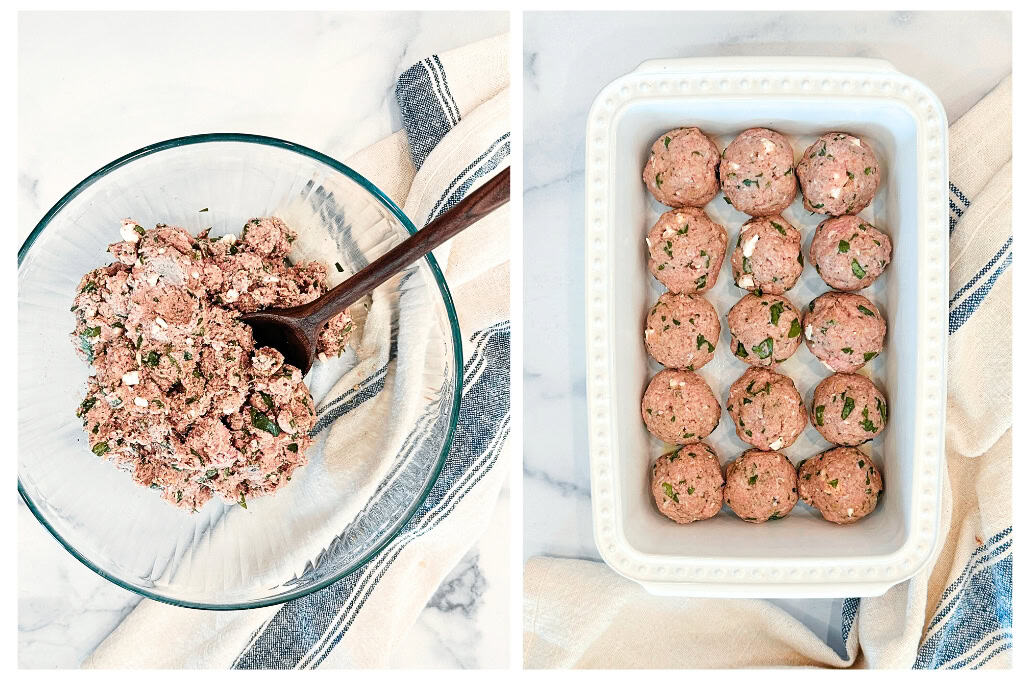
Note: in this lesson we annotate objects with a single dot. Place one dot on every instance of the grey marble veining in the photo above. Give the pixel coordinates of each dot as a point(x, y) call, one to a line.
point(95, 86)
point(961, 56)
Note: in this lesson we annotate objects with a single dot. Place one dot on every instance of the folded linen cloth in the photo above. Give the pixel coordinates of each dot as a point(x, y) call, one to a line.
point(958, 613)
point(456, 121)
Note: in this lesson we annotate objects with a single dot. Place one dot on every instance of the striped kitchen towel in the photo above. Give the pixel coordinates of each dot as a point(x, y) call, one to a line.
point(959, 612)
point(456, 122)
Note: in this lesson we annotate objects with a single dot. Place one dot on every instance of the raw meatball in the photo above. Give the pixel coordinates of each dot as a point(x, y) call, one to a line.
point(766, 409)
point(687, 484)
point(767, 256)
point(683, 168)
point(682, 331)
point(848, 409)
point(764, 329)
point(757, 172)
point(679, 407)
point(844, 330)
point(849, 253)
point(838, 175)
point(761, 485)
point(686, 250)
point(842, 483)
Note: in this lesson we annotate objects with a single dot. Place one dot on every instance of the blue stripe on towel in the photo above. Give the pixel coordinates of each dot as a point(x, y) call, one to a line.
point(303, 632)
point(427, 106)
point(488, 160)
point(959, 316)
point(984, 270)
point(422, 112)
point(976, 622)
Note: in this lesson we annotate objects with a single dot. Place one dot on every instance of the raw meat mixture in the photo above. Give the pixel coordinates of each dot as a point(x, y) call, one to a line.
point(180, 395)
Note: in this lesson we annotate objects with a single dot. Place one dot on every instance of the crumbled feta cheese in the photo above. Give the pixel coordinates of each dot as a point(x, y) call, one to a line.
point(735, 166)
point(127, 231)
point(228, 411)
point(649, 242)
point(673, 382)
point(667, 232)
point(161, 323)
point(231, 295)
point(229, 239)
point(807, 331)
point(855, 141)
point(141, 401)
point(849, 512)
point(769, 145)
point(749, 245)
point(153, 279)
point(746, 281)
point(130, 378)
point(195, 275)
point(836, 192)
point(776, 445)
point(161, 251)
point(270, 279)
point(649, 331)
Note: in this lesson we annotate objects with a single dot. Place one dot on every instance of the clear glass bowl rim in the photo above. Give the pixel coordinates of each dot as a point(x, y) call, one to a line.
point(444, 291)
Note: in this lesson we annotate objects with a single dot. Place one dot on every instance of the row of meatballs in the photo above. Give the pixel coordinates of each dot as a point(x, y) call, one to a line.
point(838, 174)
point(759, 486)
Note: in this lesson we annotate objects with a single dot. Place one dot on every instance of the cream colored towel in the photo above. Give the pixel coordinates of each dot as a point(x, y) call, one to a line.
point(958, 613)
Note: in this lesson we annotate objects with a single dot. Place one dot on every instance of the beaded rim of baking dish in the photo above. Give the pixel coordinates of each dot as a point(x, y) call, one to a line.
point(862, 78)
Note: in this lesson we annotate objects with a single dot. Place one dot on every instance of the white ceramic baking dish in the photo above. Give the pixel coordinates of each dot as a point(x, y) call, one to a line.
point(801, 555)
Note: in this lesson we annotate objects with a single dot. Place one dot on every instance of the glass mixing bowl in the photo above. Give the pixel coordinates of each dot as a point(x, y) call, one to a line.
point(283, 546)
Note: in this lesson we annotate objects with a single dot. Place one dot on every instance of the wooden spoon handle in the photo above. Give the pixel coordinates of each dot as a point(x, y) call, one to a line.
point(474, 207)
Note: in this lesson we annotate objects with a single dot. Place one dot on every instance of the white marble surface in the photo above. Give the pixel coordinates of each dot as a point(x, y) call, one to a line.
point(961, 56)
point(95, 86)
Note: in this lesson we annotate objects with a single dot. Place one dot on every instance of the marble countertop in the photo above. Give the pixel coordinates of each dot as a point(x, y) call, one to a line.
point(961, 56)
point(95, 86)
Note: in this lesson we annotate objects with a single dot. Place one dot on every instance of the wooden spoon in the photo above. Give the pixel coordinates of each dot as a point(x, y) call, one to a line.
point(295, 330)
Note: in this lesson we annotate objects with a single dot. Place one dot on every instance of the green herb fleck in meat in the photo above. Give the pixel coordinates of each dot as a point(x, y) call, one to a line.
point(101, 448)
point(778, 227)
point(703, 341)
point(262, 422)
point(848, 407)
point(670, 494)
point(844, 246)
point(794, 329)
point(819, 413)
point(868, 356)
point(763, 349)
point(857, 269)
point(776, 311)
point(741, 352)
point(865, 311)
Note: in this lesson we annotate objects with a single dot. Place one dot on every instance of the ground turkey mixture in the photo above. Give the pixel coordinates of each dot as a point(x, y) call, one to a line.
point(683, 168)
point(757, 172)
point(767, 257)
point(686, 250)
point(842, 484)
point(844, 330)
point(847, 409)
point(681, 331)
point(180, 396)
point(687, 484)
point(761, 485)
point(678, 407)
point(766, 409)
point(838, 174)
point(849, 253)
point(764, 329)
